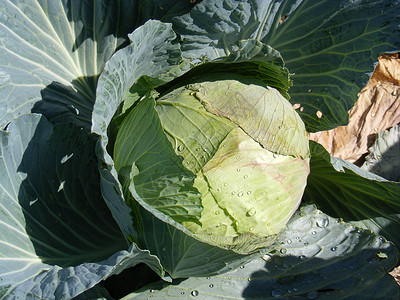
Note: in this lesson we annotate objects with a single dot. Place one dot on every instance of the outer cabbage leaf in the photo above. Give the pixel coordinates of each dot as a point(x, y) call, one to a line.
point(51, 52)
point(343, 190)
point(326, 44)
point(316, 257)
point(153, 51)
point(58, 237)
point(384, 155)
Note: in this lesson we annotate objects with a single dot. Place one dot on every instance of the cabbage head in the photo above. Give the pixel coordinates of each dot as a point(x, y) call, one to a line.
point(240, 159)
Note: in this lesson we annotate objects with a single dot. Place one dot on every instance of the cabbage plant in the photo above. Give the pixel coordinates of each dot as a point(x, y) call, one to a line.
point(158, 149)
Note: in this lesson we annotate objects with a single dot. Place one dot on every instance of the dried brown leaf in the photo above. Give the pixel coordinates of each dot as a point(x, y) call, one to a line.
point(377, 108)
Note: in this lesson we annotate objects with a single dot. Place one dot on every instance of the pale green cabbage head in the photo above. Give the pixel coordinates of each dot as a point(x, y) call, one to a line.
point(249, 151)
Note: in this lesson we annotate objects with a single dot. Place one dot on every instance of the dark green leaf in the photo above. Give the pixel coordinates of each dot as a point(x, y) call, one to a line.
point(58, 237)
point(345, 191)
point(52, 52)
point(329, 46)
point(318, 257)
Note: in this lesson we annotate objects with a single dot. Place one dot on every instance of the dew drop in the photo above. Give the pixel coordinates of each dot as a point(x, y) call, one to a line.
point(289, 241)
point(152, 291)
point(225, 184)
point(251, 212)
point(303, 257)
point(249, 192)
point(33, 202)
point(182, 293)
point(224, 145)
point(266, 257)
point(283, 251)
point(314, 233)
point(312, 295)
point(181, 147)
point(238, 169)
point(197, 149)
point(237, 157)
point(211, 285)
point(233, 193)
point(240, 194)
point(245, 176)
point(4, 77)
point(251, 229)
point(333, 249)
point(322, 222)
point(66, 157)
point(75, 109)
point(61, 186)
point(194, 293)
point(241, 267)
point(276, 293)
point(216, 212)
point(218, 189)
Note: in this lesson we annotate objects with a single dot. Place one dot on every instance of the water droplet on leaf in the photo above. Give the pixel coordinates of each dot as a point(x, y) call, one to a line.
point(61, 186)
point(266, 257)
point(66, 157)
point(194, 293)
point(245, 176)
point(33, 202)
point(276, 293)
point(4, 77)
point(211, 285)
point(240, 194)
point(312, 295)
point(333, 249)
point(283, 251)
point(181, 147)
point(251, 212)
point(324, 222)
